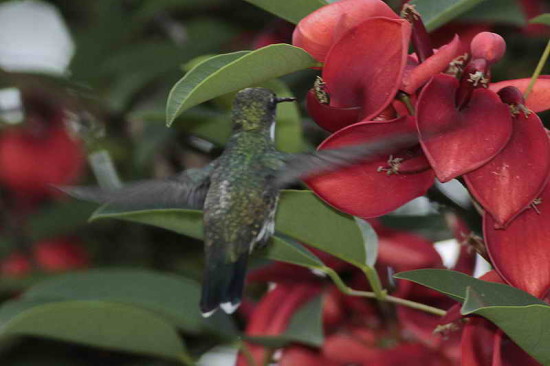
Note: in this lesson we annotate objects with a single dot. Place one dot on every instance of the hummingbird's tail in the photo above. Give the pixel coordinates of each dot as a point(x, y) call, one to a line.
point(223, 284)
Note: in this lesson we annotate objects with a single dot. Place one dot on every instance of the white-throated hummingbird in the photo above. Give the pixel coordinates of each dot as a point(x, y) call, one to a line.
point(238, 192)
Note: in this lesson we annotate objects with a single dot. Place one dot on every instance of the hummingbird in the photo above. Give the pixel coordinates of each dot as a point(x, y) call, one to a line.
point(238, 192)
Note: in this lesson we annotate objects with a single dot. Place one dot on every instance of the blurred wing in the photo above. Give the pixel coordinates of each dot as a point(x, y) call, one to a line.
point(186, 190)
point(301, 166)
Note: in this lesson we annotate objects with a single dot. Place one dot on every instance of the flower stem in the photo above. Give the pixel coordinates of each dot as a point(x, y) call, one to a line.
point(538, 70)
point(405, 99)
point(374, 282)
point(371, 295)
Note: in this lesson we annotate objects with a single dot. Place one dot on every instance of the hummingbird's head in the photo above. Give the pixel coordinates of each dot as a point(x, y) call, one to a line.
point(254, 108)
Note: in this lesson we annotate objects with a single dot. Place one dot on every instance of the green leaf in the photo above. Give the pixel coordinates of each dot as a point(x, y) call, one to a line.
point(541, 19)
point(370, 239)
point(454, 284)
point(112, 326)
point(496, 11)
point(526, 325)
point(189, 222)
point(225, 73)
point(436, 13)
point(290, 10)
point(301, 216)
point(174, 297)
point(304, 217)
point(285, 249)
point(305, 326)
point(182, 221)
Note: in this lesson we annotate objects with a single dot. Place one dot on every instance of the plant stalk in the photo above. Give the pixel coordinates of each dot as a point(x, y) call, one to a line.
point(371, 295)
point(538, 70)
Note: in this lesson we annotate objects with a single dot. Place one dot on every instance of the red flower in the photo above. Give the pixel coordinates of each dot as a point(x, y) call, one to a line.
point(317, 32)
point(381, 185)
point(354, 90)
point(355, 330)
point(38, 155)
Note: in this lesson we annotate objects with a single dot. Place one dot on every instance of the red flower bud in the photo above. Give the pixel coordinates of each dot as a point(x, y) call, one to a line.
point(488, 46)
point(511, 95)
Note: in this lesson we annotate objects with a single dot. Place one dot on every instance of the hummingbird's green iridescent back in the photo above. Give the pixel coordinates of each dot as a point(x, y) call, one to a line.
point(240, 205)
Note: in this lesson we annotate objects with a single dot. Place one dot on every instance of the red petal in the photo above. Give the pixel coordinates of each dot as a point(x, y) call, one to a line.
point(410, 354)
point(362, 190)
point(521, 252)
point(330, 118)
point(316, 33)
point(517, 175)
point(511, 354)
point(433, 65)
point(405, 251)
point(477, 342)
point(364, 68)
point(459, 141)
point(273, 313)
point(539, 98)
point(347, 349)
point(420, 324)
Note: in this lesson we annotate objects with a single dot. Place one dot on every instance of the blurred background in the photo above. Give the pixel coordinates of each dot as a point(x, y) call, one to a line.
point(83, 82)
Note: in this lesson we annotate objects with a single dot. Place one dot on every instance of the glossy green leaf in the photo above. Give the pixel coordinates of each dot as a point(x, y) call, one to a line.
point(305, 326)
point(496, 11)
point(225, 73)
point(285, 249)
point(174, 297)
point(182, 221)
point(304, 217)
point(179, 97)
point(526, 325)
point(541, 19)
point(189, 222)
point(12, 308)
point(290, 10)
point(454, 284)
point(301, 216)
point(111, 326)
point(370, 240)
point(436, 13)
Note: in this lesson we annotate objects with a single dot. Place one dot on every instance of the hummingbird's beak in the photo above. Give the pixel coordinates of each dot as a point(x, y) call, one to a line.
point(284, 99)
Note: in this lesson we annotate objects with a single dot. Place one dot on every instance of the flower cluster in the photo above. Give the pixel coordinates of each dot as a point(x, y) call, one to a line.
point(486, 134)
point(357, 330)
